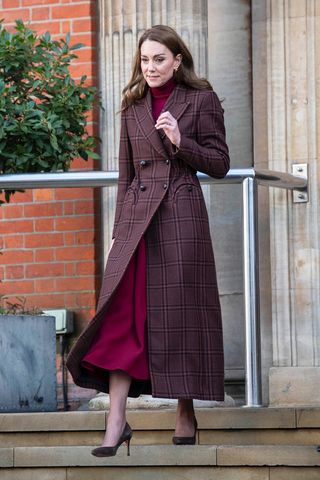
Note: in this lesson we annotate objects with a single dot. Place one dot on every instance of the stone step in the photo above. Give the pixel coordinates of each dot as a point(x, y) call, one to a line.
point(212, 418)
point(267, 462)
point(162, 473)
point(218, 426)
point(163, 455)
point(160, 437)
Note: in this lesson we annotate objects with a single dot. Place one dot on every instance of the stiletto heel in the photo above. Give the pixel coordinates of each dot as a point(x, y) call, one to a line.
point(125, 437)
point(186, 440)
point(128, 447)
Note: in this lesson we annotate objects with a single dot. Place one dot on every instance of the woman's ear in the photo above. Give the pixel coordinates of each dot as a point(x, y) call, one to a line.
point(178, 61)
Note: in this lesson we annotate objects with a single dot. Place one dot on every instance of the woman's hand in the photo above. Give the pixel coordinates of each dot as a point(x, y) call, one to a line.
point(170, 127)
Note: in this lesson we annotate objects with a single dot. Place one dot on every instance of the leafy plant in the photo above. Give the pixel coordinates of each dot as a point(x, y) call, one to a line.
point(42, 108)
point(18, 308)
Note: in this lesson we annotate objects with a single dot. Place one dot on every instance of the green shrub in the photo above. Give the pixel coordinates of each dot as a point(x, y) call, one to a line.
point(42, 109)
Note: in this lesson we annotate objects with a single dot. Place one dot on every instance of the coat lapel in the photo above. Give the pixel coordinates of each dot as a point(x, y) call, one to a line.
point(176, 104)
point(143, 114)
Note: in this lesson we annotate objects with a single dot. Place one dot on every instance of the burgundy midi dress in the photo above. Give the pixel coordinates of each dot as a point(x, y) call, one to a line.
point(121, 341)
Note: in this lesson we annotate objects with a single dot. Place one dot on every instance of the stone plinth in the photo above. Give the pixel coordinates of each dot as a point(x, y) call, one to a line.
point(291, 386)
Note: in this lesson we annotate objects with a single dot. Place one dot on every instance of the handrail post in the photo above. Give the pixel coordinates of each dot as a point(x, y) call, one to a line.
point(251, 292)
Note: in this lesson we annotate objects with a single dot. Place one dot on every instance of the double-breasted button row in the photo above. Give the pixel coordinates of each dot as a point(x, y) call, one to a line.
point(143, 163)
point(143, 187)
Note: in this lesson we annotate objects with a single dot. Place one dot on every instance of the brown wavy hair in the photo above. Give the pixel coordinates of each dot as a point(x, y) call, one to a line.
point(137, 86)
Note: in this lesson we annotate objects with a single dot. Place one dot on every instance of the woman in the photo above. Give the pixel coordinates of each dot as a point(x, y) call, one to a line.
point(158, 323)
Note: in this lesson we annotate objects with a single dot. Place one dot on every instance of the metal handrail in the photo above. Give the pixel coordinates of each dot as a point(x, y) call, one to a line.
point(99, 178)
point(249, 178)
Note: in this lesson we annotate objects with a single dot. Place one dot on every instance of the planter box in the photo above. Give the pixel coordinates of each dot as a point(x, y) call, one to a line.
point(28, 363)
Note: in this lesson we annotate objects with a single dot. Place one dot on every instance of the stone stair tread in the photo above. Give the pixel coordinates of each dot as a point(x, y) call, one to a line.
point(212, 418)
point(163, 455)
point(52, 421)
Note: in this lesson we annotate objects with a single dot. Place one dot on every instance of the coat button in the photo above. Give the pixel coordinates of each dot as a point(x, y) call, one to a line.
point(165, 186)
point(189, 188)
point(143, 163)
point(167, 161)
point(142, 188)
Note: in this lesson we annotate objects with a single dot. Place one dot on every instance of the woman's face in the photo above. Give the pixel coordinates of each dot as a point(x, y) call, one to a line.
point(157, 63)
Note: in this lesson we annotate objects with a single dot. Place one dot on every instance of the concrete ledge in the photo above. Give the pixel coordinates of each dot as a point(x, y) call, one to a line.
point(169, 473)
point(6, 457)
point(246, 418)
point(165, 455)
point(217, 418)
point(53, 421)
point(35, 474)
point(294, 386)
point(256, 436)
point(293, 473)
point(230, 436)
point(162, 473)
point(259, 455)
point(308, 418)
point(161, 455)
point(208, 418)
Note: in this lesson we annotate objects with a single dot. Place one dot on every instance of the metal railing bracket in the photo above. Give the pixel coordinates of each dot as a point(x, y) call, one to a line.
point(300, 170)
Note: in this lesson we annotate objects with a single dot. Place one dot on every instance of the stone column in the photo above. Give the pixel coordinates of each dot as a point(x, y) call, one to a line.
point(230, 71)
point(292, 33)
point(121, 24)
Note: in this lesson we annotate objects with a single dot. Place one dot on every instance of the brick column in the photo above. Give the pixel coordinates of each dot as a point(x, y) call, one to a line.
point(50, 238)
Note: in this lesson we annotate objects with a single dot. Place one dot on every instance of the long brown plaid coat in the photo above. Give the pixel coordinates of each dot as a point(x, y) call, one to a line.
point(159, 196)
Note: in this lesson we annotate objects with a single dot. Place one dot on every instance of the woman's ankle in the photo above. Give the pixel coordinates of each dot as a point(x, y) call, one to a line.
point(185, 408)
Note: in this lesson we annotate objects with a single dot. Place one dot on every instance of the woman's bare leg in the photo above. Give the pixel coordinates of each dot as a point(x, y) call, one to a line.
point(119, 384)
point(185, 426)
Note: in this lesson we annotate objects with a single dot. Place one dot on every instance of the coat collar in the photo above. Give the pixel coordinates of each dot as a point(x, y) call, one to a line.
point(176, 104)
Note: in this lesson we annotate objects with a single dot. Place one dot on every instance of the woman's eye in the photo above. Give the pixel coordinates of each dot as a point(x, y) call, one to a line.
point(157, 60)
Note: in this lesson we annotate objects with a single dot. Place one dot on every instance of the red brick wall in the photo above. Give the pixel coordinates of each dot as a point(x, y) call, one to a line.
point(50, 238)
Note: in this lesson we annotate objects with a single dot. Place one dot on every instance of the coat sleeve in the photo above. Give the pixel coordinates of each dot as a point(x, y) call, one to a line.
point(126, 170)
point(209, 152)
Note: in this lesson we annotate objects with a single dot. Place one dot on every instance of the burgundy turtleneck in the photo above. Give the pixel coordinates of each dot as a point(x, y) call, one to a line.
point(159, 96)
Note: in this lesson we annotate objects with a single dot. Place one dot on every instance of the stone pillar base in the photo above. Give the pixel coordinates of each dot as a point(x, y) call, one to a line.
point(294, 386)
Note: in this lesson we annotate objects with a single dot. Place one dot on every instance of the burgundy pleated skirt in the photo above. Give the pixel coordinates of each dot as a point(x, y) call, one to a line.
point(121, 342)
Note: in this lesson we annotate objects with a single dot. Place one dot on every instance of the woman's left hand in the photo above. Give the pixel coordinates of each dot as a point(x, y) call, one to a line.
point(170, 127)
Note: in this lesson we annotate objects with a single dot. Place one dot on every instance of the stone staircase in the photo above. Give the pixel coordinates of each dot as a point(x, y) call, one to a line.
point(233, 444)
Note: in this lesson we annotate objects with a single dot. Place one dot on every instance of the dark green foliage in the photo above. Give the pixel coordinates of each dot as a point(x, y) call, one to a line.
point(42, 109)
